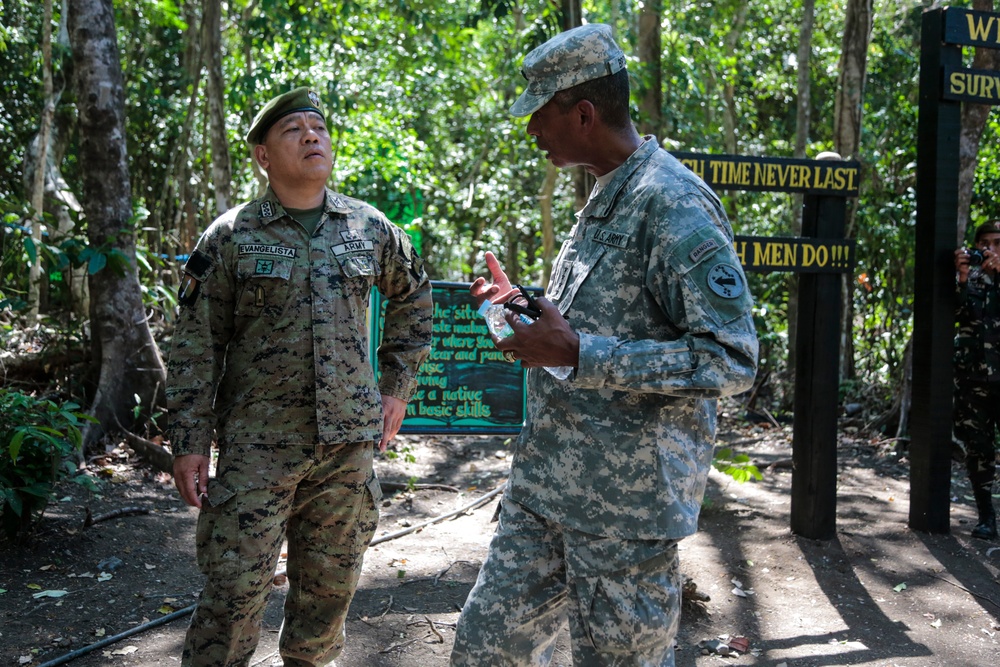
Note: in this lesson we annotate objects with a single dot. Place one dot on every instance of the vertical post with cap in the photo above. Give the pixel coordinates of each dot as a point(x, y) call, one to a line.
point(817, 353)
point(938, 136)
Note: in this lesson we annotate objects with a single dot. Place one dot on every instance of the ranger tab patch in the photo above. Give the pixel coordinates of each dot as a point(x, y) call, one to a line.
point(726, 281)
point(702, 248)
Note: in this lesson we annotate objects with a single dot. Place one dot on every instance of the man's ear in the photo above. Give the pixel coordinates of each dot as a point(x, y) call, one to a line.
point(586, 114)
point(260, 154)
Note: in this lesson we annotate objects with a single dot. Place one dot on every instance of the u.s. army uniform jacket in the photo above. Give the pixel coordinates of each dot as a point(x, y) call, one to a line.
point(271, 345)
point(651, 282)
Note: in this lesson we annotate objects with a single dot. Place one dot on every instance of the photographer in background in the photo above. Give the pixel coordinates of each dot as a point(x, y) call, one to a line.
point(977, 367)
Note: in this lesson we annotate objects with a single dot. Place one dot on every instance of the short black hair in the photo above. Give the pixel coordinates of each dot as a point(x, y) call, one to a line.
point(609, 95)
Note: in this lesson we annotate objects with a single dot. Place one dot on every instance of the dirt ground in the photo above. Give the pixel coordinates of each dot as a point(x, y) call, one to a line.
point(877, 594)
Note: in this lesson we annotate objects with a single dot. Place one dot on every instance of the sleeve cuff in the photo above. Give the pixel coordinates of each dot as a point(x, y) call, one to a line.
point(594, 364)
point(399, 385)
point(184, 442)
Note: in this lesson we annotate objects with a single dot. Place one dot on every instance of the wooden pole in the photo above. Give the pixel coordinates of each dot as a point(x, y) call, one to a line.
point(817, 350)
point(938, 131)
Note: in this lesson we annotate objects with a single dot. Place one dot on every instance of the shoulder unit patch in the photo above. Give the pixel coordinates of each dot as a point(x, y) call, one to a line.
point(726, 281)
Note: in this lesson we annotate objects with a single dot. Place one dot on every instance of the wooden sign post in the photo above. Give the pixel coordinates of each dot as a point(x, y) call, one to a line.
point(820, 256)
point(944, 83)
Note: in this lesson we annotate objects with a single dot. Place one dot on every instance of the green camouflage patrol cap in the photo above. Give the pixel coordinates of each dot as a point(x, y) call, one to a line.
point(569, 58)
point(300, 99)
point(991, 227)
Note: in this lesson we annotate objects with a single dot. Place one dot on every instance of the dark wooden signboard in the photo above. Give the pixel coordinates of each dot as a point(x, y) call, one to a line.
point(774, 174)
point(973, 85)
point(795, 254)
point(969, 28)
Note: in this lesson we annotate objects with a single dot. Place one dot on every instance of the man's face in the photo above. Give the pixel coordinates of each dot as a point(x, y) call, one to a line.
point(554, 133)
point(297, 150)
point(990, 241)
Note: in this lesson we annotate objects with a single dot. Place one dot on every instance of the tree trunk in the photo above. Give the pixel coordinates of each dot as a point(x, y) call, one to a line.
point(974, 117)
point(251, 106)
point(729, 117)
point(222, 173)
point(548, 226)
point(730, 140)
point(173, 197)
point(38, 183)
point(650, 68)
point(802, 127)
point(583, 183)
point(127, 360)
point(58, 201)
point(846, 139)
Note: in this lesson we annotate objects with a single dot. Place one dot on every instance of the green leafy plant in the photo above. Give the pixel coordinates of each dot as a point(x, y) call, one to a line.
point(406, 452)
point(737, 466)
point(38, 439)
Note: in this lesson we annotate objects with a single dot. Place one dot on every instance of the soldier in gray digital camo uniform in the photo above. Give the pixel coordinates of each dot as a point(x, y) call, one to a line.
point(270, 360)
point(977, 369)
point(649, 304)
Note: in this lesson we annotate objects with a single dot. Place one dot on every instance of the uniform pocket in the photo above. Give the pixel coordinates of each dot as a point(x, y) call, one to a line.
point(359, 272)
point(359, 266)
point(265, 286)
point(217, 534)
point(636, 610)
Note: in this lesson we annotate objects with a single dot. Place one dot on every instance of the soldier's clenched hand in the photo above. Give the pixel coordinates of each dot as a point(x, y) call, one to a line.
point(548, 341)
point(191, 478)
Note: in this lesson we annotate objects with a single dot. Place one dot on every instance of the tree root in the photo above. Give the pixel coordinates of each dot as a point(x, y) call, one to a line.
point(90, 520)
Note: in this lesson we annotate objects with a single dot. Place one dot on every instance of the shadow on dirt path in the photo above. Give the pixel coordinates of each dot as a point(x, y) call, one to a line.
point(878, 594)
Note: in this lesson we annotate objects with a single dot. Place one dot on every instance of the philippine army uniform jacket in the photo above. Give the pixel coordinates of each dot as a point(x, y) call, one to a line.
point(977, 343)
point(651, 282)
point(271, 345)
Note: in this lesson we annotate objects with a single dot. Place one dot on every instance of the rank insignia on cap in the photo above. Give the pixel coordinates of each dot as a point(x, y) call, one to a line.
point(725, 281)
point(314, 98)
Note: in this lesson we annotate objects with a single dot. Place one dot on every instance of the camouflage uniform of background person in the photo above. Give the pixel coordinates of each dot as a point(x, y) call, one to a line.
point(270, 359)
point(649, 304)
point(977, 369)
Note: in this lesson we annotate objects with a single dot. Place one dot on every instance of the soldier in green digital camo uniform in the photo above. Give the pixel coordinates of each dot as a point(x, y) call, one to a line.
point(977, 369)
point(270, 359)
point(649, 304)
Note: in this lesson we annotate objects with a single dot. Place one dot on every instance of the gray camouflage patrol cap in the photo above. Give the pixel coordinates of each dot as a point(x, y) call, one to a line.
point(568, 59)
point(300, 99)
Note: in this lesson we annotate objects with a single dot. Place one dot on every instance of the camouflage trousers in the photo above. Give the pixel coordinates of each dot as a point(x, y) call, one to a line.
point(976, 420)
point(323, 499)
point(621, 598)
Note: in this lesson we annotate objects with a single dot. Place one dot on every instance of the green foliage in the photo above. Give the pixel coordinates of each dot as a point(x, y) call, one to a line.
point(737, 466)
point(38, 440)
point(417, 92)
point(406, 453)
